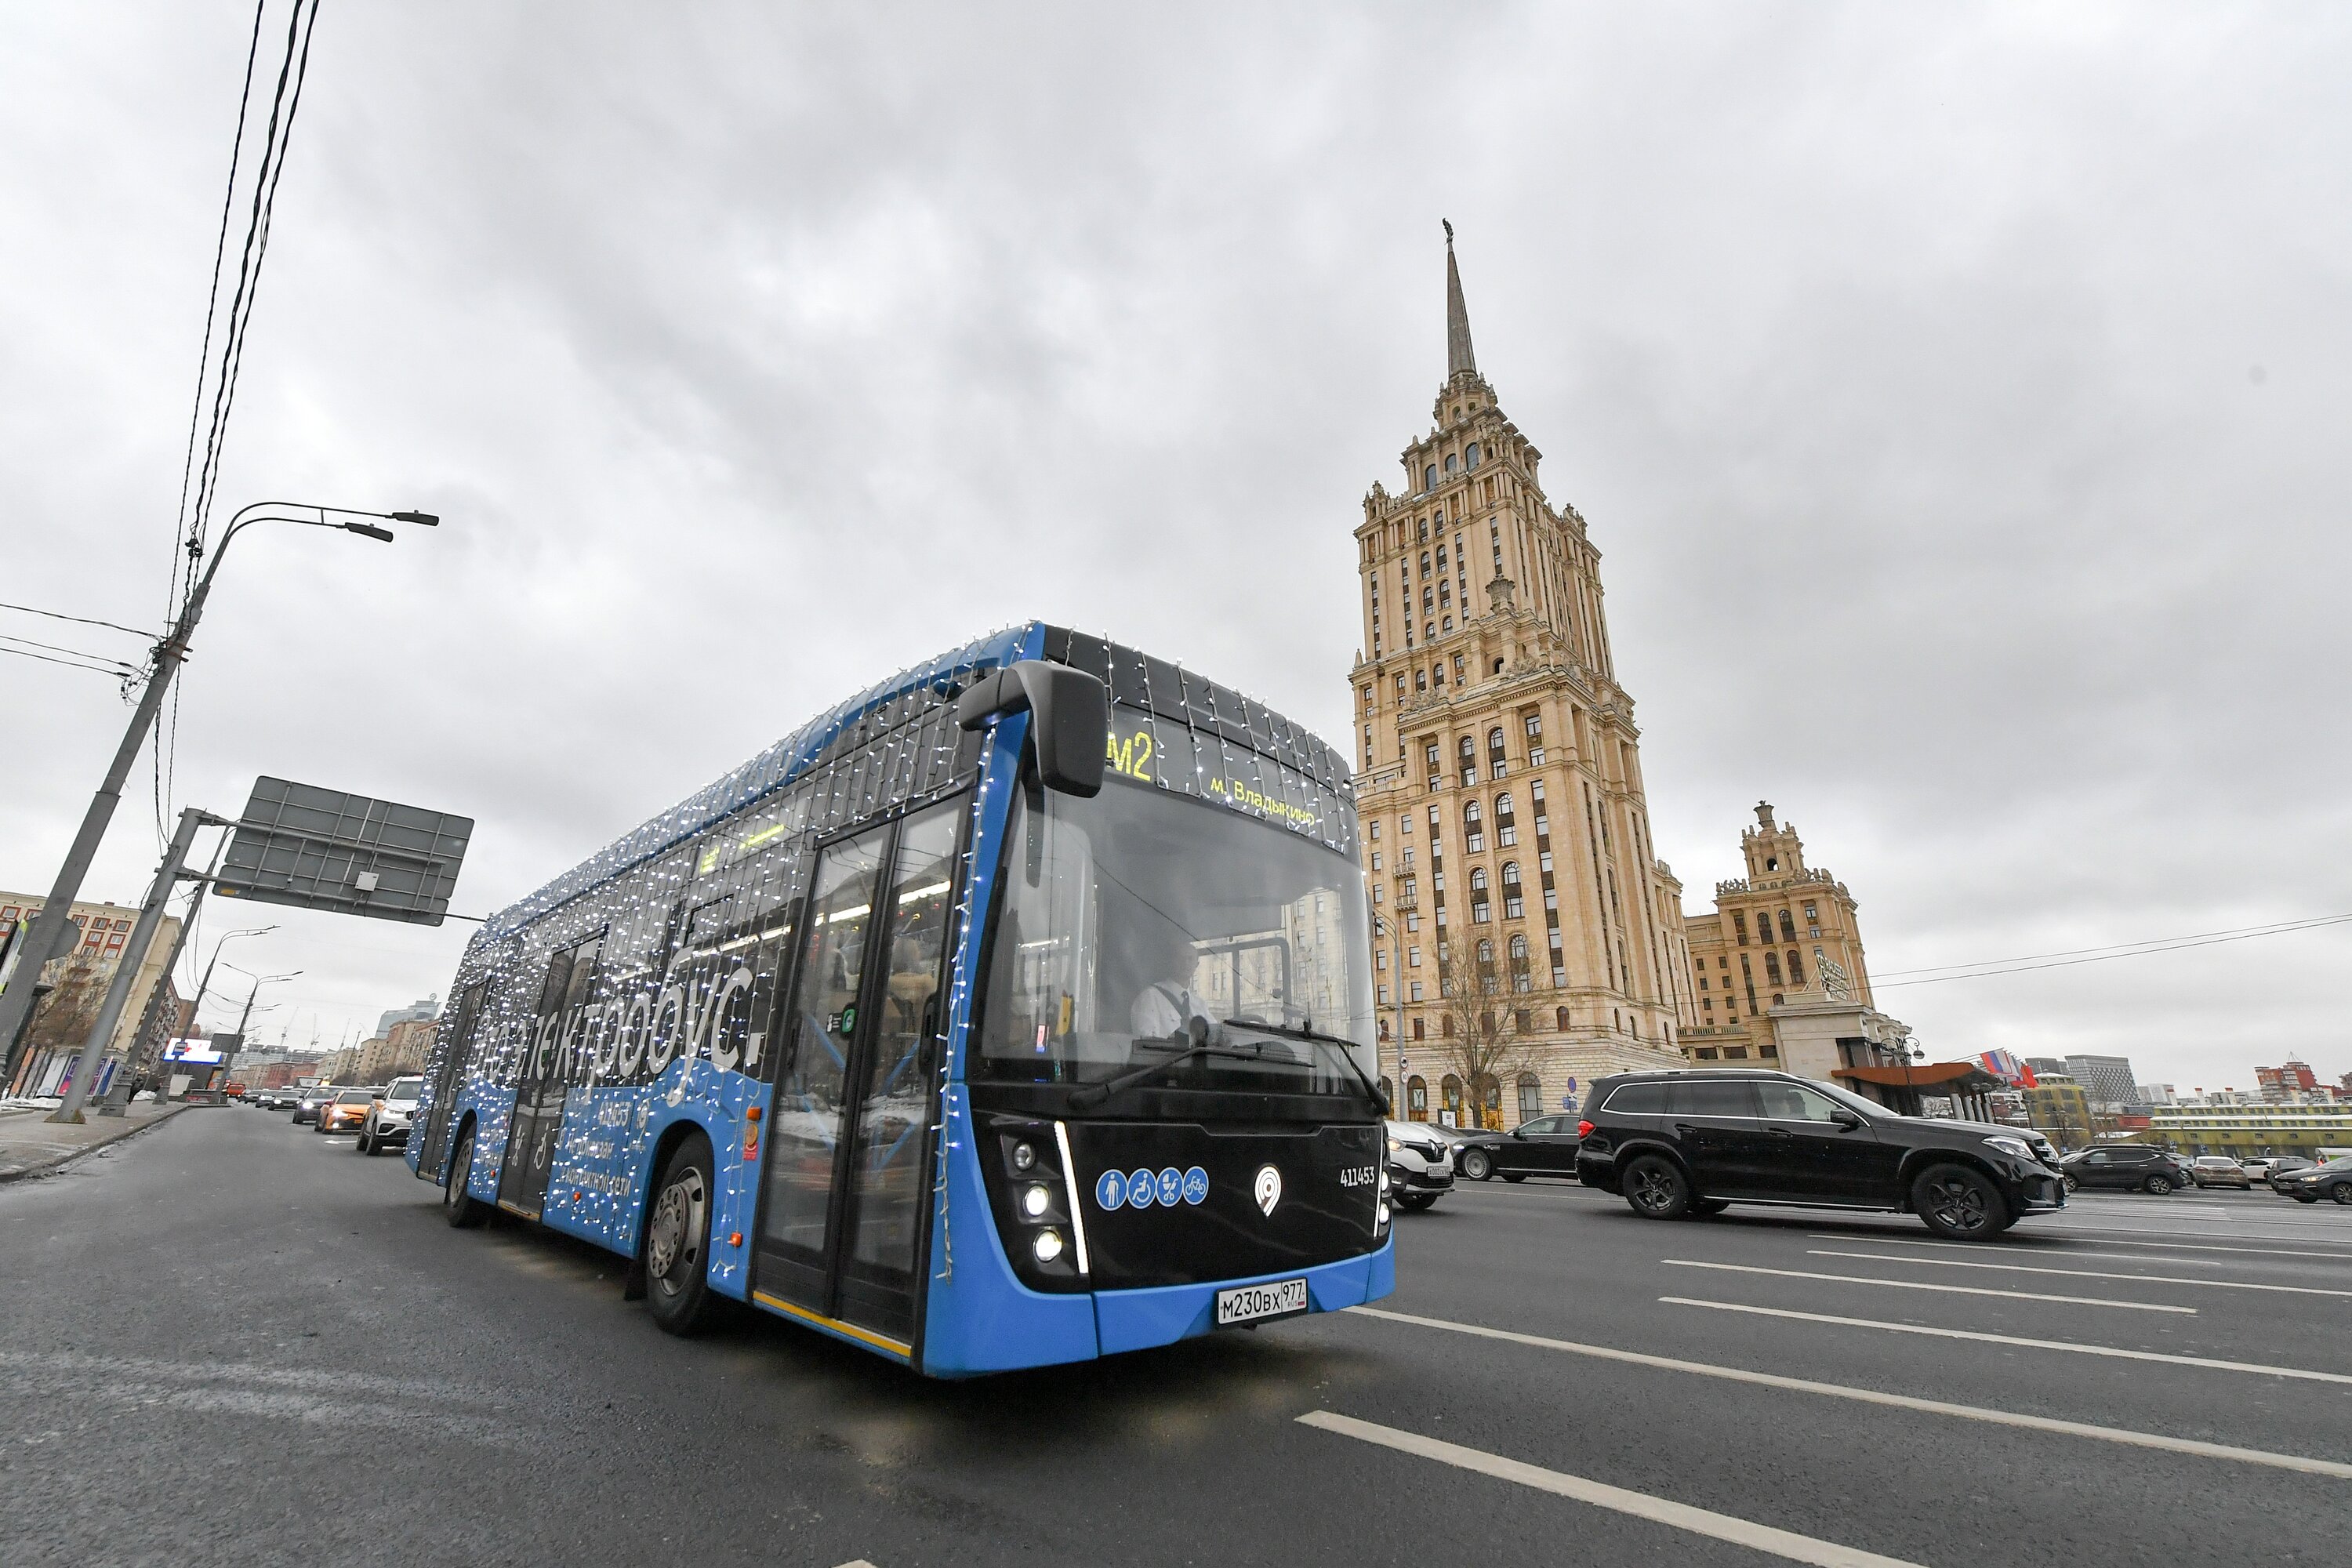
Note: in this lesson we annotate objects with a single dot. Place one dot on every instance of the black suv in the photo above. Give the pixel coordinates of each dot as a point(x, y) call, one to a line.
point(1673, 1143)
point(2129, 1167)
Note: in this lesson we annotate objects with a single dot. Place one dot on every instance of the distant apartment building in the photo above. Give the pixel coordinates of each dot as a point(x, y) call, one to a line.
point(39, 1062)
point(428, 1008)
point(2242, 1130)
point(2057, 1106)
point(2286, 1081)
point(411, 1041)
point(2107, 1081)
point(2154, 1094)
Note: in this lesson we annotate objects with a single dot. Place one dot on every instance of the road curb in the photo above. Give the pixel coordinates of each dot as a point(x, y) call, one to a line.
point(59, 1162)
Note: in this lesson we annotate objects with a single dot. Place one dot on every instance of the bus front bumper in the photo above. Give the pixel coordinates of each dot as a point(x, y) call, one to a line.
point(1161, 1315)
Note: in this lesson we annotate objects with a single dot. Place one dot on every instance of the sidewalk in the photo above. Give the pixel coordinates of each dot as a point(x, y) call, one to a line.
point(32, 1145)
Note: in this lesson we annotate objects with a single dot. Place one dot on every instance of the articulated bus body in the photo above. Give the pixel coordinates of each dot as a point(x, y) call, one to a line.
point(899, 1033)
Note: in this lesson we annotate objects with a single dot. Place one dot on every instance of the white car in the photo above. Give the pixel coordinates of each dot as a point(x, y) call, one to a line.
point(1421, 1167)
point(391, 1117)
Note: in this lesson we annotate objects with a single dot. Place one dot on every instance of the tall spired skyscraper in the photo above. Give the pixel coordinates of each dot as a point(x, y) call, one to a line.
point(1529, 939)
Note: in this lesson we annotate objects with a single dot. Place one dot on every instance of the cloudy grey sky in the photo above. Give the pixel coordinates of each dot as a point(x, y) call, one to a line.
point(1957, 396)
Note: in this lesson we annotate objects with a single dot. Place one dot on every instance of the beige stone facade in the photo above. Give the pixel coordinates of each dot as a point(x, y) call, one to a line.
point(79, 982)
point(1528, 934)
point(1778, 976)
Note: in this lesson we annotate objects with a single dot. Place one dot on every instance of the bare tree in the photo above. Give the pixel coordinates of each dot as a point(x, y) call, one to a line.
point(66, 1014)
point(1480, 1037)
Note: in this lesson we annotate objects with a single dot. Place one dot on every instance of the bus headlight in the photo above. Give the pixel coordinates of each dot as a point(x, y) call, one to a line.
point(1024, 1158)
point(1036, 1199)
point(1048, 1245)
point(1381, 1215)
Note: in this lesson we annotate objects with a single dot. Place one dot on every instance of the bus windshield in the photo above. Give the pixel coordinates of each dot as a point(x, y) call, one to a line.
point(1140, 921)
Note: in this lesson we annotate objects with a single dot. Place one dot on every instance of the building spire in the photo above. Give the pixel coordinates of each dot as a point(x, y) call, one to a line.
point(1458, 357)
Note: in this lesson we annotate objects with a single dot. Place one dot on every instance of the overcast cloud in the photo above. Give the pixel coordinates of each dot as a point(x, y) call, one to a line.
point(1957, 395)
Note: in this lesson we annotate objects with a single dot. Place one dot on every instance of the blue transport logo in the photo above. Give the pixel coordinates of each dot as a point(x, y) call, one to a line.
point(1196, 1184)
point(1171, 1187)
point(1139, 1190)
point(1112, 1191)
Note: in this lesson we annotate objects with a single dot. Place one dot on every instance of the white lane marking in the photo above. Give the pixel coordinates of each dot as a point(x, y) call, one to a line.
point(2123, 1434)
point(1979, 1249)
point(857, 1562)
point(1923, 1285)
point(1600, 1494)
point(2015, 1340)
point(2080, 1273)
point(2080, 1230)
point(2167, 1245)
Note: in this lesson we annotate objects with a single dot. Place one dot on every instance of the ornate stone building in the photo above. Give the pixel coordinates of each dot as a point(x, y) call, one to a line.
point(1778, 976)
point(1527, 937)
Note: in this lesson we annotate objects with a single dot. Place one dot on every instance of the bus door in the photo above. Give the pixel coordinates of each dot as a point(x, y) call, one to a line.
point(545, 1078)
point(842, 1224)
point(457, 1047)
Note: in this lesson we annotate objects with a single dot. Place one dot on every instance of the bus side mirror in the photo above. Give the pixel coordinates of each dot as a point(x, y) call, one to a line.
point(1069, 718)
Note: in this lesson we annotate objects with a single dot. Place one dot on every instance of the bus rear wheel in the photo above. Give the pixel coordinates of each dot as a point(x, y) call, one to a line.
point(677, 1244)
point(460, 1207)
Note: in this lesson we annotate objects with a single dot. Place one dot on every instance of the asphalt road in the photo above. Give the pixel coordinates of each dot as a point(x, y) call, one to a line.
point(231, 1340)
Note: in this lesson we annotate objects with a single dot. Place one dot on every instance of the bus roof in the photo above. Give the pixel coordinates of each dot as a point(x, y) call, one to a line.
point(1134, 679)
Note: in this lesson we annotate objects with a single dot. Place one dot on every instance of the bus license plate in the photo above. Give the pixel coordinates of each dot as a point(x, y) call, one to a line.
point(1251, 1303)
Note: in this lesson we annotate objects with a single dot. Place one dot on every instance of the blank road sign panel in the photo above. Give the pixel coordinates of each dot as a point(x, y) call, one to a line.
point(323, 849)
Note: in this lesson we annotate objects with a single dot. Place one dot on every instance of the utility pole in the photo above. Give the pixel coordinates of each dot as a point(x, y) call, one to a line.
point(142, 1044)
point(134, 958)
point(228, 1059)
point(46, 939)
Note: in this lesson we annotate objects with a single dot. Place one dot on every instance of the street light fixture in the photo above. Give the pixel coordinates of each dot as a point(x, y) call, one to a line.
point(48, 938)
point(229, 1056)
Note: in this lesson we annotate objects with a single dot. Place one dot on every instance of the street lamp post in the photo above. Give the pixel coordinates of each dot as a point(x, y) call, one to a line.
point(228, 1057)
point(46, 939)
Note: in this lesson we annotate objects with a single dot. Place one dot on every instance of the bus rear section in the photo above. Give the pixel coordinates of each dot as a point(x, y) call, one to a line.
point(933, 1033)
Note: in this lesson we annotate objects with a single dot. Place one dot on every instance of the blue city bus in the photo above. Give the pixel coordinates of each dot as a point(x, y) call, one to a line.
point(1016, 1011)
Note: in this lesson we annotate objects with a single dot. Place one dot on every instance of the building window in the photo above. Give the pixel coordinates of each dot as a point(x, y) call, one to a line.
point(1428, 483)
point(1474, 831)
point(1449, 462)
point(1514, 907)
point(1470, 455)
point(1705, 1053)
point(1796, 968)
point(1787, 926)
point(1772, 967)
point(1413, 957)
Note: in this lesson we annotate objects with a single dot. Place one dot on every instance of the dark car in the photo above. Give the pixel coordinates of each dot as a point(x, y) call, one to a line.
point(1673, 1143)
point(2332, 1181)
point(2126, 1167)
point(2283, 1167)
point(1542, 1146)
point(306, 1109)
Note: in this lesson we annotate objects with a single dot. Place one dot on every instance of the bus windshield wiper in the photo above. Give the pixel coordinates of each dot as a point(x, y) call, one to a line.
point(1300, 1032)
point(1095, 1094)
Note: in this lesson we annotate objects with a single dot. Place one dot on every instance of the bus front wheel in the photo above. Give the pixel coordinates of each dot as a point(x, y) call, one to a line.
point(677, 1244)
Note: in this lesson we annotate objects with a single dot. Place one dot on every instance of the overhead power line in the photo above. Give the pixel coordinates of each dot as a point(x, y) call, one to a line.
point(199, 481)
point(2099, 955)
point(79, 620)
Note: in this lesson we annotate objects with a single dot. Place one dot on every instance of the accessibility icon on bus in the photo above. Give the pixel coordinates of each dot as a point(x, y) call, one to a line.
point(1110, 1191)
point(1140, 1190)
point(1171, 1187)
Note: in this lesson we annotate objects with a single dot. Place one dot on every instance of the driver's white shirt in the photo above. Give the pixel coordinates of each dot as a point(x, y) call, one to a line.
point(1163, 1010)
